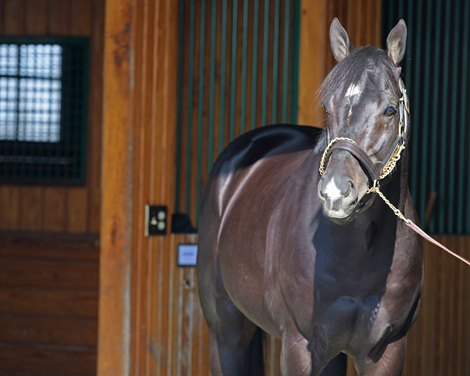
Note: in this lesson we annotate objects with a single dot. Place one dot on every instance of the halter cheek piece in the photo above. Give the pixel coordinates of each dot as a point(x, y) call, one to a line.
point(375, 171)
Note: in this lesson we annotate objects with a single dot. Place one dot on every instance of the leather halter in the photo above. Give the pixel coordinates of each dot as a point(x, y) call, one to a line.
point(375, 171)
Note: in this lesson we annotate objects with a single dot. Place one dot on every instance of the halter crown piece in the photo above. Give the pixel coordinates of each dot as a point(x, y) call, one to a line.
point(376, 171)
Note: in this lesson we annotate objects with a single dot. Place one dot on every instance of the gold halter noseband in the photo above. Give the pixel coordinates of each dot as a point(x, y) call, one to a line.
point(376, 171)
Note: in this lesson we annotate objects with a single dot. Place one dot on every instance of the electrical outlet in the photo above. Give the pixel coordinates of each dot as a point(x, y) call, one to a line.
point(156, 219)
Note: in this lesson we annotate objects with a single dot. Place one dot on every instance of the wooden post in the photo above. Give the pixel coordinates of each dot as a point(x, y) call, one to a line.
point(116, 224)
point(312, 62)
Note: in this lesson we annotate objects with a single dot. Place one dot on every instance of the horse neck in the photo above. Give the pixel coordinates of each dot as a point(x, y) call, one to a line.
point(395, 190)
point(403, 178)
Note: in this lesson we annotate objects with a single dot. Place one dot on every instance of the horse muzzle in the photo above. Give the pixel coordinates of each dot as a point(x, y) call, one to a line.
point(339, 197)
point(342, 187)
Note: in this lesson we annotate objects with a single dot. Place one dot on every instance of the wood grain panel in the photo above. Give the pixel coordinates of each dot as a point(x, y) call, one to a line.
point(46, 274)
point(41, 361)
point(116, 225)
point(312, 64)
point(95, 117)
point(155, 116)
point(55, 331)
point(59, 209)
point(72, 247)
point(48, 303)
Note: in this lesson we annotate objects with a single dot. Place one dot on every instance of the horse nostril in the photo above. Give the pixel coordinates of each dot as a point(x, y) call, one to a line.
point(320, 189)
point(348, 189)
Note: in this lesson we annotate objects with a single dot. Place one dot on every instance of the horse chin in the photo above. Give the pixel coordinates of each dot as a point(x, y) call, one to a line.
point(343, 220)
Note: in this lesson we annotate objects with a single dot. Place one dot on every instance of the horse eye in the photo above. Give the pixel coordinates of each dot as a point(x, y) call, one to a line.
point(390, 110)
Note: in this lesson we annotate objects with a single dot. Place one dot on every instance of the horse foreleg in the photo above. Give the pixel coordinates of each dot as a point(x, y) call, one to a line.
point(390, 364)
point(295, 355)
point(230, 341)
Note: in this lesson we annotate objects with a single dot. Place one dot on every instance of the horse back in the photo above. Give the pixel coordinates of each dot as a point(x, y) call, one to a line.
point(256, 148)
point(241, 195)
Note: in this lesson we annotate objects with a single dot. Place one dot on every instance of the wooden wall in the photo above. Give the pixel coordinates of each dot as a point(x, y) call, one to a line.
point(139, 131)
point(49, 278)
point(438, 343)
point(59, 209)
point(150, 321)
point(48, 305)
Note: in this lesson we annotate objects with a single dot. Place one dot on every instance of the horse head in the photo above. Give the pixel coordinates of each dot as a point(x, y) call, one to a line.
point(367, 121)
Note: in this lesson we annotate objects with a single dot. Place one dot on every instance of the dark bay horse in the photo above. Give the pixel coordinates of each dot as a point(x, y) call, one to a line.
point(294, 242)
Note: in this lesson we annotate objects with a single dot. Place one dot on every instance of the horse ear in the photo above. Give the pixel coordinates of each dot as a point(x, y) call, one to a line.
point(341, 45)
point(396, 42)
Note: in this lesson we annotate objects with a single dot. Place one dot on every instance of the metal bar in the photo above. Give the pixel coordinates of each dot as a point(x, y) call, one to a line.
point(190, 104)
point(435, 113)
point(464, 118)
point(264, 85)
point(453, 119)
point(200, 113)
point(18, 94)
point(443, 139)
point(425, 97)
point(416, 108)
point(244, 67)
point(210, 146)
point(409, 44)
point(295, 61)
point(223, 63)
point(254, 67)
point(233, 68)
point(285, 67)
point(401, 9)
point(410, 20)
point(275, 64)
point(393, 12)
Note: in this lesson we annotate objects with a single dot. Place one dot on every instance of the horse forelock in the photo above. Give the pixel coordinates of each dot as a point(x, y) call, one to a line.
point(345, 78)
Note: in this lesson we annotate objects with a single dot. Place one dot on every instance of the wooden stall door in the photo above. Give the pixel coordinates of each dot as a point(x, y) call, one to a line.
point(149, 319)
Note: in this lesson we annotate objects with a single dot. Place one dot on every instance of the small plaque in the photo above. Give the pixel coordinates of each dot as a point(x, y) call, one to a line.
point(187, 254)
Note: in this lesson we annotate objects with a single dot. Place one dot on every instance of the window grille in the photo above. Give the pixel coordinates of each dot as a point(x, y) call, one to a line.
point(43, 90)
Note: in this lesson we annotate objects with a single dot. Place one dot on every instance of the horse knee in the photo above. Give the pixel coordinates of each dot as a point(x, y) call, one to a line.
point(390, 364)
point(295, 356)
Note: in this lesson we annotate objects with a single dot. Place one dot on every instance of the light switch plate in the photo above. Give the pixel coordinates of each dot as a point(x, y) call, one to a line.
point(156, 220)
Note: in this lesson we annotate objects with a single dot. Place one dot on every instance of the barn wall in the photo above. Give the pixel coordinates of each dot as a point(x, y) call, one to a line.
point(150, 320)
point(438, 343)
point(48, 277)
point(48, 304)
point(147, 305)
point(59, 209)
